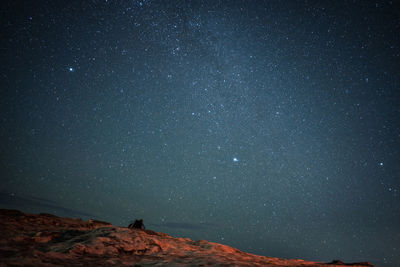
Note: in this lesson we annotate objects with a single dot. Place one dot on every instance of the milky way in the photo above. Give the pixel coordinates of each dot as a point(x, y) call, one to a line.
point(271, 127)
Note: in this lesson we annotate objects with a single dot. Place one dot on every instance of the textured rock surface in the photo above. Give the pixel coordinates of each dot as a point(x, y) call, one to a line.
point(47, 240)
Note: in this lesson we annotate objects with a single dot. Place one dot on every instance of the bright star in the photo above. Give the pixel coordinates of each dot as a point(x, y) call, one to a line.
point(235, 159)
point(71, 69)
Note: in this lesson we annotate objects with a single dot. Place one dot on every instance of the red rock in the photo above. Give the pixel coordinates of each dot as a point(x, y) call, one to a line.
point(48, 240)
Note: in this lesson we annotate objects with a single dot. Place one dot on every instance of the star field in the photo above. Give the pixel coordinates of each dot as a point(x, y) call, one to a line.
point(270, 126)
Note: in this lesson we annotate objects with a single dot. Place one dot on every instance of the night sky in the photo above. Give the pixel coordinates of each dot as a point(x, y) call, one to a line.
point(272, 127)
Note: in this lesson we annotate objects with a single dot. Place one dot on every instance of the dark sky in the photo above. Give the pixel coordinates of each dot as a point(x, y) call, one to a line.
point(273, 127)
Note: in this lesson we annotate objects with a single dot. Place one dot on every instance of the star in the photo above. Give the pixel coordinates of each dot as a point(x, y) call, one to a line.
point(235, 159)
point(71, 69)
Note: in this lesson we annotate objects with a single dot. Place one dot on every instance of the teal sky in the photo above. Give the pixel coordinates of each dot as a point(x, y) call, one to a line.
point(270, 126)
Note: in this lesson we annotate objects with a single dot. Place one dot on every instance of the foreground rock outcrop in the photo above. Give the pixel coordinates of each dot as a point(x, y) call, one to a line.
point(48, 240)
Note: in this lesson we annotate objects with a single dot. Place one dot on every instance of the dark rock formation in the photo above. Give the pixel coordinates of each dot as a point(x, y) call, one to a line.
point(138, 224)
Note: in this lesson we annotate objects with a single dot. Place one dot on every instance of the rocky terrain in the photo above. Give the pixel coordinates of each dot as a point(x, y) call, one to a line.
point(48, 240)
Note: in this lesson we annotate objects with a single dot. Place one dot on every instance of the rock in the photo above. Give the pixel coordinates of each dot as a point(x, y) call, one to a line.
point(48, 240)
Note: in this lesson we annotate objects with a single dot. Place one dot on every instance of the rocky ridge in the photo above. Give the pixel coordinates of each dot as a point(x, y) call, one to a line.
point(48, 240)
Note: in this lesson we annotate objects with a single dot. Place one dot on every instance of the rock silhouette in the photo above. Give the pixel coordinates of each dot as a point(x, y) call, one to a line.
point(138, 224)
